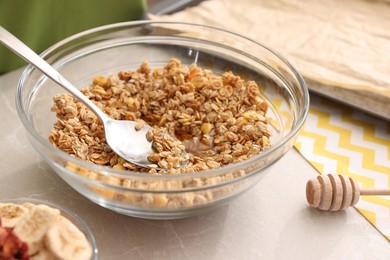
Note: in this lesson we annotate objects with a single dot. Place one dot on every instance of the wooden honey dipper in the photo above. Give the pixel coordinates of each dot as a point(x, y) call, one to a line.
point(335, 192)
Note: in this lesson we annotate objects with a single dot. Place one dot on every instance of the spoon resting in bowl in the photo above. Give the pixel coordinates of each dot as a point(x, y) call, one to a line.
point(124, 138)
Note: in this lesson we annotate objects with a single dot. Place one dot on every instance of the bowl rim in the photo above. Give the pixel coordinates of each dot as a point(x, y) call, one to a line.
point(125, 173)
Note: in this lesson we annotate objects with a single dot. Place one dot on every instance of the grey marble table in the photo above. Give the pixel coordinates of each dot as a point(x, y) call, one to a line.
point(271, 221)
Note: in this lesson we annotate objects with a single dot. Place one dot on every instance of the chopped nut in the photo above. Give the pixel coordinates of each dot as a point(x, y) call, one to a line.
point(99, 91)
point(160, 200)
point(100, 81)
point(140, 124)
point(227, 158)
point(206, 128)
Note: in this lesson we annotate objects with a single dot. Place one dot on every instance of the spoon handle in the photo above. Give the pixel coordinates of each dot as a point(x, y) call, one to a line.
point(372, 191)
point(18, 47)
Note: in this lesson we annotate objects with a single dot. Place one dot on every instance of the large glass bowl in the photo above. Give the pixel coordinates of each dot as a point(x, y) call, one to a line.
point(110, 49)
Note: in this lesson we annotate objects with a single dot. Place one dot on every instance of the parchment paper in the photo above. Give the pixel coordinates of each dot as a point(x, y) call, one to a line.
point(342, 48)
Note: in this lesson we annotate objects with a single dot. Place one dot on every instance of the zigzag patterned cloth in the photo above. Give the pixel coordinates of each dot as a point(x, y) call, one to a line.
point(339, 139)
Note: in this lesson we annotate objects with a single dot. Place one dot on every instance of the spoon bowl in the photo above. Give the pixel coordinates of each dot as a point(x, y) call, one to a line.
point(129, 143)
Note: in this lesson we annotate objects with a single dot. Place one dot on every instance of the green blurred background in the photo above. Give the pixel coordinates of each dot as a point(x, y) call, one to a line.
point(41, 23)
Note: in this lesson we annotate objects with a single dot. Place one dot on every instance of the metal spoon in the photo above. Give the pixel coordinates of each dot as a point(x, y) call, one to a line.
point(120, 135)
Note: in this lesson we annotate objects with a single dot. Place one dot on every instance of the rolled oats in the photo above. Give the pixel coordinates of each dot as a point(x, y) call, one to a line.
point(218, 120)
point(221, 119)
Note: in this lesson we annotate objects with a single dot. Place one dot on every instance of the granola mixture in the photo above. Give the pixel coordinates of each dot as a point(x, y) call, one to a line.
point(219, 120)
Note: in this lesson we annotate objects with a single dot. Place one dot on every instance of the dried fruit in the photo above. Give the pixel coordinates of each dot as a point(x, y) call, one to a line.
point(40, 232)
point(34, 225)
point(11, 214)
point(11, 247)
point(66, 241)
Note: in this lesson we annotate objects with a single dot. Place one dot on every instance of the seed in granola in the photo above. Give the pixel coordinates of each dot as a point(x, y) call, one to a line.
point(149, 136)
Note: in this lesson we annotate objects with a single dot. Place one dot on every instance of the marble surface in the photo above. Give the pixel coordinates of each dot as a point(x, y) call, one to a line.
point(270, 221)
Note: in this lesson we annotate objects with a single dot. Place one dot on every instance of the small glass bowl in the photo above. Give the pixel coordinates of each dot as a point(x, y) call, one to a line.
point(70, 215)
point(124, 46)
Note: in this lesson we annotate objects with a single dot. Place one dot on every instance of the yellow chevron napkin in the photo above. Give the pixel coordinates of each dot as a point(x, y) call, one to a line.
point(336, 138)
point(339, 139)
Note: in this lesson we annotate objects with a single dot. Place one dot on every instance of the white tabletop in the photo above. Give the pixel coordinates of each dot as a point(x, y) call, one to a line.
point(270, 221)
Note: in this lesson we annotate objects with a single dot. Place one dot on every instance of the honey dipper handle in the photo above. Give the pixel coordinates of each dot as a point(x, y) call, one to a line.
point(368, 191)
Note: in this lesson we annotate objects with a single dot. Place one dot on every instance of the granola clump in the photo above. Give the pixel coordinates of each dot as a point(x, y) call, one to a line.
point(218, 120)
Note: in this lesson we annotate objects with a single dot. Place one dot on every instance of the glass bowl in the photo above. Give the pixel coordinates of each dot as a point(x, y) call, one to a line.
point(110, 49)
point(70, 215)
